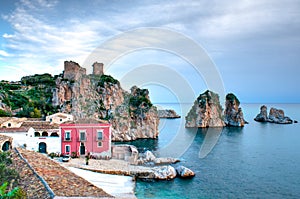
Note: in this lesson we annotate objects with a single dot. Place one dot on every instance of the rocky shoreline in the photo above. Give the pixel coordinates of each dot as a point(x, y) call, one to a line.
point(149, 167)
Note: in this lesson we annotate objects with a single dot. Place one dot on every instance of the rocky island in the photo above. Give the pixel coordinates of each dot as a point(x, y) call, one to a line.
point(168, 113)
point(275, 116)
point(233, 115)
point(208, 112)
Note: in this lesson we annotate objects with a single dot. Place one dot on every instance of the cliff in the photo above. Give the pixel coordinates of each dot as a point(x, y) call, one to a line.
point(101, 97)
point(233, 114)
point(206, 111)
point(275, 116)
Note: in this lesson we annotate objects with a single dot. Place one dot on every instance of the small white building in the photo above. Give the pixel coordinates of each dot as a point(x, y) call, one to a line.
point(59, 118)
point(11, 122)
point(43, 143)
point(36, 136)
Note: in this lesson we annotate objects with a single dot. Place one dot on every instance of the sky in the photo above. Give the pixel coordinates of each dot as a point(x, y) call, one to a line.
point(253, 46)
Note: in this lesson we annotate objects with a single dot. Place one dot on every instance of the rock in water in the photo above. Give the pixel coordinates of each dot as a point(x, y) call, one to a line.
point(165, 173)
point(263, 115)
point(206, 111)
point(168, 113)
point(184, 172)
point(233, 113)
point(275, 116)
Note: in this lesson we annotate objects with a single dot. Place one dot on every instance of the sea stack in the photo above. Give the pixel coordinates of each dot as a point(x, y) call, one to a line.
point(233, 114)
point(206, 111)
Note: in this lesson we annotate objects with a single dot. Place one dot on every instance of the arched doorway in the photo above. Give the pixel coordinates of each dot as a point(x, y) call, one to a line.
point(6, 146)
point(82, 149)
point(42, 147)
point(44, 134)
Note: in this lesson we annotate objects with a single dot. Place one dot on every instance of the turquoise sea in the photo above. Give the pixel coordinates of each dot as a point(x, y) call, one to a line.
point(260, 160)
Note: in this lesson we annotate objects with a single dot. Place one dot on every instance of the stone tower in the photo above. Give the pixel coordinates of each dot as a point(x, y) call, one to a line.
point(73, 71)
point(98, 68)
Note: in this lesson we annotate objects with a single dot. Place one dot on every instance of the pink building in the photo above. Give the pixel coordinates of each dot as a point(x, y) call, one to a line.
point(86, 138)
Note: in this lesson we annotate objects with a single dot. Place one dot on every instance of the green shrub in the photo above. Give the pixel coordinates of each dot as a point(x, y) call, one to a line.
point(107, 79)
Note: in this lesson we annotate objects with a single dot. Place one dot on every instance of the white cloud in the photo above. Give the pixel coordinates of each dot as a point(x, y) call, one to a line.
point(3, 53)
point(7, 36)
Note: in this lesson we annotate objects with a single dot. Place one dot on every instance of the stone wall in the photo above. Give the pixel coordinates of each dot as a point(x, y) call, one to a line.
point(72, 70)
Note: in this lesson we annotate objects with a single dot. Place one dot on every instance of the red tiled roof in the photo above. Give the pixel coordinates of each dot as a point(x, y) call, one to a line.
point(13, 130)
point(62, 182)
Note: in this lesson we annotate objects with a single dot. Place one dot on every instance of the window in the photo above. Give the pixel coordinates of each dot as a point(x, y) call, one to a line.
point(9, 124)
point(82, 135)
point(54, 134)
point(68, 135)
point(99, 134)
point(99, 144)
point(50, 119)
point(37, 134)
point(44, 134)
point(60, 119)
point(68, 148)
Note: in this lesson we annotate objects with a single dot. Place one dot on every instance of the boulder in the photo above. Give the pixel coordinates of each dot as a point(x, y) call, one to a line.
point(233, 114)
point(184, 172)
point(149, 156)
point(164, 173)
point(158, 161)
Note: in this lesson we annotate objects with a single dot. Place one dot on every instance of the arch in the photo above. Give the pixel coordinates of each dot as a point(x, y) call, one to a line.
point(45, 134)
point(6, 146)
point(42, 147)
point(37, 134)
point(54, 134)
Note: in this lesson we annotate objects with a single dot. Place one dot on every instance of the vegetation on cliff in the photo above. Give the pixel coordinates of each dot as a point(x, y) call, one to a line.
point(31, 97)
point(107, 79)
point(231, 98)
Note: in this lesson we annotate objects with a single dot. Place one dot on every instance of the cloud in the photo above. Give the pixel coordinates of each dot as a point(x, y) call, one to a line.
point(3, 53)
point(7, 36)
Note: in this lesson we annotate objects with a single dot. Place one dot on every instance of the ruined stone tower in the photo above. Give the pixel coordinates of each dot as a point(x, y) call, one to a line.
point(98, 68)
point(73, 71)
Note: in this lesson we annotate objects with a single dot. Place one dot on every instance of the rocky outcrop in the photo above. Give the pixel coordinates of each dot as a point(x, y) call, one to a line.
point(206, 111)
point(233, 114)
point(4, 107)
point(275, 116)
point(184, 172)
point(149, 159)
point(168, 113)
point(164, 173)
point(263, 115)
point(101, 97)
